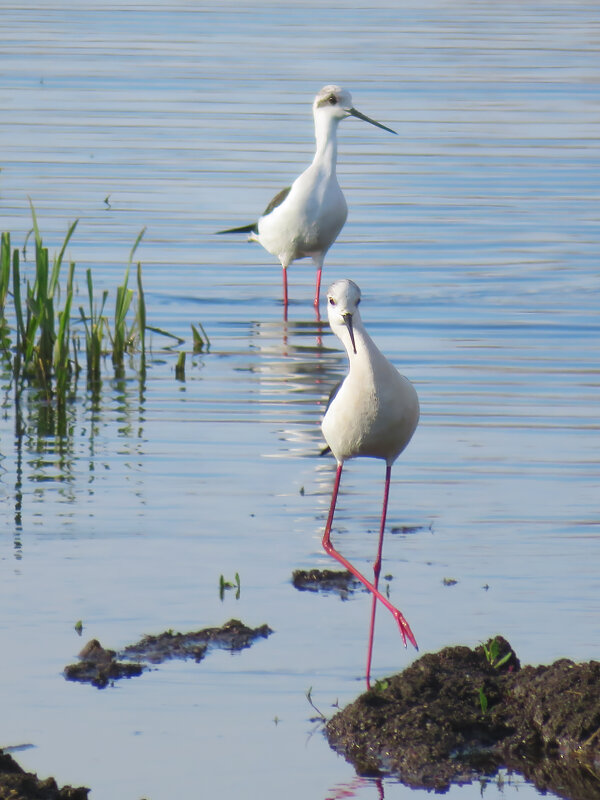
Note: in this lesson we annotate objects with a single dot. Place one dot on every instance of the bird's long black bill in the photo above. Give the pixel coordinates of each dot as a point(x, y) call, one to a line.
point(348, 323)
point(360, 115)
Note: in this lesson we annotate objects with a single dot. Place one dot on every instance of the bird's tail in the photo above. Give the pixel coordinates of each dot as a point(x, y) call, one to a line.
point(252, 228)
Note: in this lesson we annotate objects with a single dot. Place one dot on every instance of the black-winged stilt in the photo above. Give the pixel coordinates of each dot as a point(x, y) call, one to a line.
point(374, 413)
point(305, 219)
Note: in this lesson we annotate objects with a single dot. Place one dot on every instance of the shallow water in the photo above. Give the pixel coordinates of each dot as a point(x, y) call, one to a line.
point(474, 237)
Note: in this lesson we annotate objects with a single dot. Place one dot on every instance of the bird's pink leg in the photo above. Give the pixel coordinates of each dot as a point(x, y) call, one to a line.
point(377, 571)
point(405, 630)
point(326, 536)
point(318, 286)
point(285, 292)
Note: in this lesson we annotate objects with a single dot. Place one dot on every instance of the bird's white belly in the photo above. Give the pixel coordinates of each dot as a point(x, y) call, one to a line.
point(364, 424)
point(304, 224)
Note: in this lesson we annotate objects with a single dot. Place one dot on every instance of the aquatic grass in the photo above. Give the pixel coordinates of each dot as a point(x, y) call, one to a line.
point(124, 338)
point(141, 315)
point(61, 361)
point(45, 353)
point(121, 337)
point(321, 717)
point(43, 335)
point(180, 367)
point(225, 585)
point(4, 270)
point(199, 341)
point(94, 326)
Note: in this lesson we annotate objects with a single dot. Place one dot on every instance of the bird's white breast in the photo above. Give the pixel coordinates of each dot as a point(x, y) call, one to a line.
point(375, 412)
point(309, 219)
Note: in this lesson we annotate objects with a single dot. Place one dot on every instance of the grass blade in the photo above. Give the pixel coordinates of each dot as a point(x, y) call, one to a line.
point(58, 259)
point(4, 270)
point(141, 312)
point(62, 369)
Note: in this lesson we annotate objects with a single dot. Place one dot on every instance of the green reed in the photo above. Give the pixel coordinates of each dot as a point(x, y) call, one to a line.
point(94, 327)
point(43, 333)
point(45, 350)
point(4, 270)
point(4, 286)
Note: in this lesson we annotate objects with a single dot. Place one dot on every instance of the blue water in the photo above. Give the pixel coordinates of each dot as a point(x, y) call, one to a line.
point(474, 237)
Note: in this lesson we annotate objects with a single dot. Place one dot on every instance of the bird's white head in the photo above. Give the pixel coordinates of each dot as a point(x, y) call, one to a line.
point(343, 298)
point(334, 104)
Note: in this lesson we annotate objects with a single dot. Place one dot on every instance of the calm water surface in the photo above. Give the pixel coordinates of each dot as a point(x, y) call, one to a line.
point(474, 236)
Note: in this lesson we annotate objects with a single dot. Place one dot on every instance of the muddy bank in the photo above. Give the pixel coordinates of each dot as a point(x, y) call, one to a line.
point(100, 666)
point(16, 784)
point(461, 714)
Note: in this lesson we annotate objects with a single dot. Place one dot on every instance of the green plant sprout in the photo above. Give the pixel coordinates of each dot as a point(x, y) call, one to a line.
point(492, 652)
point(483, 701)
point(226, 585)
point(381, 685)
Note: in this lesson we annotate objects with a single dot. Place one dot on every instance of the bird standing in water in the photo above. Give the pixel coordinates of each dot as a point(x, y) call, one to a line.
point(304, 219)
point(374, 412)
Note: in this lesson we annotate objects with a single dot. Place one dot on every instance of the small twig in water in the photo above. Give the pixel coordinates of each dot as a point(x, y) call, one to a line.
point(310, 700)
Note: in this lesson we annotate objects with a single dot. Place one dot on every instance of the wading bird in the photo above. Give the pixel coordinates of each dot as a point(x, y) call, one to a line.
point(304, 219)
point(373, 412)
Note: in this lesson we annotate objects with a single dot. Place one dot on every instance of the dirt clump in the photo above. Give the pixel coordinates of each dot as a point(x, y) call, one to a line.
point(339, 582)
point(462, 714)
point(233, 635)
point(100, 666)
point(16, 784)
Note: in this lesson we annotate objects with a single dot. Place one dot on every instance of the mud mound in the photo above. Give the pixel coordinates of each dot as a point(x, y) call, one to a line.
point(339, 582)
point(461, 714)
point(16, 784)
point(102, 667)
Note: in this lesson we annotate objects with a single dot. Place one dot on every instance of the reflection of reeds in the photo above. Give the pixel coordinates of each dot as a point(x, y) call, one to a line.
point(45, 353)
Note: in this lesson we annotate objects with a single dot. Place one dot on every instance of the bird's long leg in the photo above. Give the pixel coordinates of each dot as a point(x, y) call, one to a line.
point(318, 262)
point(318, 259)
point(318, 284)
point(285, 291)
point(405, 630)
point(326, 536)
point(377, 570)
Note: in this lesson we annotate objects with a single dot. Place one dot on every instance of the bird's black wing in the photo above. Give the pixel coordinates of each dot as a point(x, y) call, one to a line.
point(332, 394)
point(251, 228)
point(277, 200)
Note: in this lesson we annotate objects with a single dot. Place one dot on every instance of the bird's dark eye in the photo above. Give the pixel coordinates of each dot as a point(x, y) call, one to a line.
point(331, 301)
point(332, 99)
point(358, 302)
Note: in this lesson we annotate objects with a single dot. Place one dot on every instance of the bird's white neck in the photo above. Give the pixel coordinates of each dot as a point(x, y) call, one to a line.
point(366, 350)
point(326, 136)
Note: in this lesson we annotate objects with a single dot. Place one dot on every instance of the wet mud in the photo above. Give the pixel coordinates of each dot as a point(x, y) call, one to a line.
point(102, 667)
point(339, 582)
point(16, 784)
point(462, 714)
